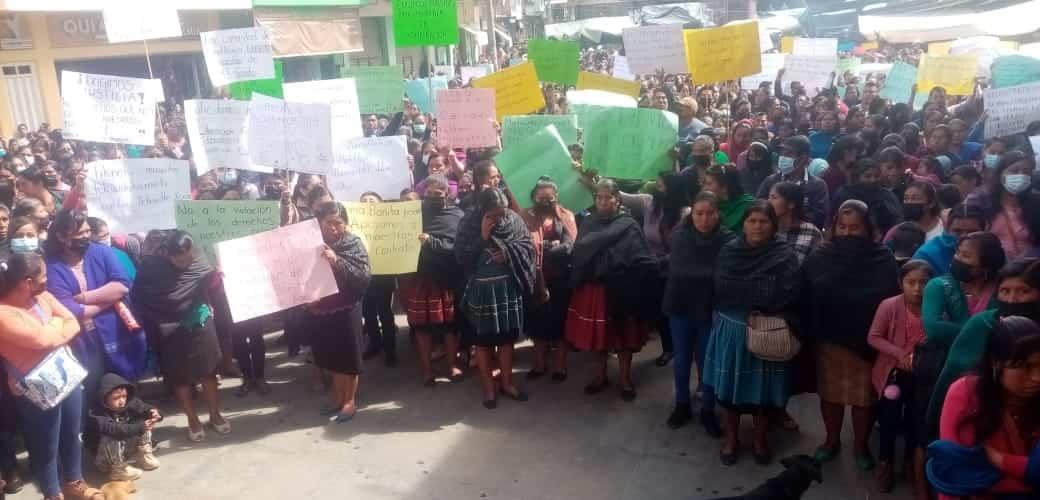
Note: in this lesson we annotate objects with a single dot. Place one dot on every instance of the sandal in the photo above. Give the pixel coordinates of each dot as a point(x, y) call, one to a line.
point(865, 462)
point(559, 377)
point(196, 437)
point(823, 454)
point(81, 490)
point(341, 418)
point(535, 374)
point(729, 459)
point(222, 429)
point(520, 396)
point(664, 359)
point(430, 382)
point(628, 394)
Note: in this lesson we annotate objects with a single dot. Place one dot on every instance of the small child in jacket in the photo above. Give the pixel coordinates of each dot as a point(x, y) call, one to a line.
point(122, 425)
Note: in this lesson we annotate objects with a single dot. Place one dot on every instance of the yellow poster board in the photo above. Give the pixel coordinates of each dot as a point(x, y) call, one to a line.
point(939, 48)
point(596, 81)
point(786, 44)
point(954, 73)
point(868, 46)
point(517, 91)
point(390, 232)
point(724, 53)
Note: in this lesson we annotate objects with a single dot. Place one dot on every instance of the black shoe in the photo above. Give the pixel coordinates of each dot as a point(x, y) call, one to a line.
point(491, 404)
point(262, 387)
point(372, 351)
point(559, 377)
point(728, 459)
point(14, 483)
point(664, 359)
point(243, 390)
point(628, 395)
point(763, 457)
point(535, 374)
point(520, 396)
point(681, 415)
point(710, 421)
point(390, 361)
point(596, 387)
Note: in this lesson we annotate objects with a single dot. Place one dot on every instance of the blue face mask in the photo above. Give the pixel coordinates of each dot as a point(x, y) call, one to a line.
point(785, 164)
point(229, 177)
point(1016, 183)
point(991, 160)
point(419, 128)
point(25, 245)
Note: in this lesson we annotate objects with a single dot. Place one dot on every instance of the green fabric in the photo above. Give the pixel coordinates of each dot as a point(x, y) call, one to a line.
point(721, 158)
point(196, 317)
point(965, 353)
point(944, 310)
point(731, 211)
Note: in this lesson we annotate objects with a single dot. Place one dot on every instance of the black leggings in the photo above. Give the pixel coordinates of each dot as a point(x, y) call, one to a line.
point(377, 309)
point(896, 416)
point(250, 351)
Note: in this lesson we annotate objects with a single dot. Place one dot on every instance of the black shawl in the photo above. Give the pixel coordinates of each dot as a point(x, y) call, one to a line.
point(352, 270)
point(690, 290)
point(844, 281)
point(163, 293)
point(885, 209)
point(510, 235)
point(613, 251)
point(762, 278)
point(437, 257)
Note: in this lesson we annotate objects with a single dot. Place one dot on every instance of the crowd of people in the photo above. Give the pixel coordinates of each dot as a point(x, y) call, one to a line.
point(882, 257)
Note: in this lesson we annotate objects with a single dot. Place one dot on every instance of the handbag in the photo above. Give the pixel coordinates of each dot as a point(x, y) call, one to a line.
point(769, 338)
point(51, 380)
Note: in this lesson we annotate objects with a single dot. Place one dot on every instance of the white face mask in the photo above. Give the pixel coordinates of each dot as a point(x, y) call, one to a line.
point(25, 245)
point(785, 164)
point(1016, 183)
point(991, 160)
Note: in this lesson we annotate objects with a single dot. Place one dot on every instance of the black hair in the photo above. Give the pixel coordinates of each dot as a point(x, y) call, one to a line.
point(7, 193)
point(949, 196)
point(1013, 341)
point(728, 176)
point(862, 166)
point(967, 172)
point(914, 265)
point(991, 253)
point(96, 224)
point(670, 204)
point(176, 242)
point(66, 222)
point(544, 182)
point(761, 207)
point(17, 267)
point(482, 171)
point(328, 208)
point(371, 193)
point(1027, 268)
point(929, 193)
point(891, 154)
point(490, 199)
point(18, 222)
point(967, 211)
point(794, 194)
point(907, 237)
point(859, 208)
point(841, 145)
point(33, 174)
point(25, 207)
point(316, 193)
point(298, 195)
point(706, 196)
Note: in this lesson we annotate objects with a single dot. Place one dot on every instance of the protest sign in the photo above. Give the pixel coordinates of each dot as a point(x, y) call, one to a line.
point(847, 64)
point(418, 92)
point(554, 60)
point(899, 82)
point(274, 270)
point(470, 72)
point(724, 53)
point(377, 164)
point(289, 135)
point(813, 72)
point(650, 49)
point(379, 88)
point(596, 81)
point(1010, 109)
point(954, 73)
point(939, 48)
point(621, 69)
point(466, 118)
point(516, 129)
point(630, 143)
point(341, 96)
point(543, 153)
point(137, 195)
point(815, 46)
point(582, 103)
point(771, 65)
point(102, 108)
point(213, 221)
point(425, 22)
point(1015, 69)
point(133, 20)
point(216, 131)
point(237, 55)
point(517, 91)
point(786, 44)
point(390, 232)
point(765, 42)
point(271, 87)
point(444, 70)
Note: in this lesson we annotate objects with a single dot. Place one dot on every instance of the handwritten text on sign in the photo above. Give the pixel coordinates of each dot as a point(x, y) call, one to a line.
point(650, 49)
point(216, 131)
point(724, 53)
point(291, 135)
point(213, 221)
point(516, 129)
point(813, 72)
point(954, 73)
point(517, 91)
point(340, 95)
point(466, 118)
point(237, 55)
point(425, 22)
point(377, 164)
point(137, 195)
point(102, 108)
point(1011, 109)
point(275, 270)
point(390, 232)
point(379, 88)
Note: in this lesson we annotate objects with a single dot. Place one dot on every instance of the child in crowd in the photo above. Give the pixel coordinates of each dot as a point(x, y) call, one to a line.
point(122, 425)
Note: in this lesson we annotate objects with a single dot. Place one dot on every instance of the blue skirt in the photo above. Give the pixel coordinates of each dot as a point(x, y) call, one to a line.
point(741, 380)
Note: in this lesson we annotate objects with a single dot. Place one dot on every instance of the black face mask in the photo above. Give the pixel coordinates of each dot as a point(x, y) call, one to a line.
point(1030, 309)
point(79, 245)
point(50, 182)
point(913, 211)
point(272, 193)
point(962, 272)
point(700, 161)
point(545, 205)
point(435, 203)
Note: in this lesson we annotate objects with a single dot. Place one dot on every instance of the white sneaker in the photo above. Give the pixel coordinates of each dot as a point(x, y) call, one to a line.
point(125, 473)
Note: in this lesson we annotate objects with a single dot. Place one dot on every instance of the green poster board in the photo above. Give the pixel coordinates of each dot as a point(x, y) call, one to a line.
point(425, 22)
point(630, 143)
point(423, 92)
point(555, 60)
point(1015, 69)
point(272, 87)
point(515, 129)
point(543, 153)
point(379, 88)
point(899, 83)
point(213, 221)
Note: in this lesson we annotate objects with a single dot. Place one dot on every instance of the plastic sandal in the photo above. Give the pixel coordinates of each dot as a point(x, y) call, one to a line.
point(826, 455)
point(222, 429)
point(196, 437)
point(865, 462)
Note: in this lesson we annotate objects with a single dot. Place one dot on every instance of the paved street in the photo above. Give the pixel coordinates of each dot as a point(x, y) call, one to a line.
point(411, 442)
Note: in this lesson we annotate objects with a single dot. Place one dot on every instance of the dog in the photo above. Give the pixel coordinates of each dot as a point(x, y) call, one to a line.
point(799, 473)
point(118, 490)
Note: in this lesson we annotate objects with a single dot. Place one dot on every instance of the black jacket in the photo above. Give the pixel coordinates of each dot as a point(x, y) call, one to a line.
point(126, 424)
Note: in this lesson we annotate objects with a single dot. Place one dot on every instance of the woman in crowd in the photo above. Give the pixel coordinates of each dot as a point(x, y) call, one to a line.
point(821, 139)
point(962, 220)
point(553, 231)
point(755, 273)
point(170, 293)
point(724, 181)
point(847, 278)
point(335, 321)
point(688, 301)
point(994, 415)
point(755, 165)
point(34, 210)
point(866, 186)
point(895, 332)
point(486, 175)
point(99, 234)
point(787, 200)
point(739, 139)
point(34, 324)
point(24, 235)
point(612, 264)
point(495, 250)
point(301, 206)
point(921, 205)
point(377, 309)
point(1012, 206)
point(33, 183)
point(431, 293)
point(840, 161)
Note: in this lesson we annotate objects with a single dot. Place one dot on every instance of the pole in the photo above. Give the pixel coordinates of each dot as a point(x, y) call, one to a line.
point(492, 36)
point(148, 59)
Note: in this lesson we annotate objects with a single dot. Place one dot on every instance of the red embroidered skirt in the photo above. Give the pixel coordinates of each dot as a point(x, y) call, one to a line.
point(590, 328)
point(426, 302)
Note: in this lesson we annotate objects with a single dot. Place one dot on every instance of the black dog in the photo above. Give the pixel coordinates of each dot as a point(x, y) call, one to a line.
point(799, 472)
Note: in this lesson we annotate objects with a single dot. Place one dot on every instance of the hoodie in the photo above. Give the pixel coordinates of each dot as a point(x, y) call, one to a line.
point(119, 425)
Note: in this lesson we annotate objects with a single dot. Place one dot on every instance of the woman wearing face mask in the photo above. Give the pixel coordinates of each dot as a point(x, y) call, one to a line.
point(170, 293)
point(495, 251)
point(32, 183)
point(1011, 204)
point(921, 206)
point(430, 295)
point(846, 279)
point(33, 324)
point(754, 166)
point(553, 231)
point(994, 149)
point(866, 187)
point(689, 305)
point(24, 235)
point(787, 200)
point(992, 417)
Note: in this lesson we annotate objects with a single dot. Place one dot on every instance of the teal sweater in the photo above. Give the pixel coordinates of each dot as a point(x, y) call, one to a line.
point(945, 310)
point(964, 355)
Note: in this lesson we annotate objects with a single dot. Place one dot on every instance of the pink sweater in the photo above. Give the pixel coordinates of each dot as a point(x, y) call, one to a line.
point(894, 333)
point(25, 340)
